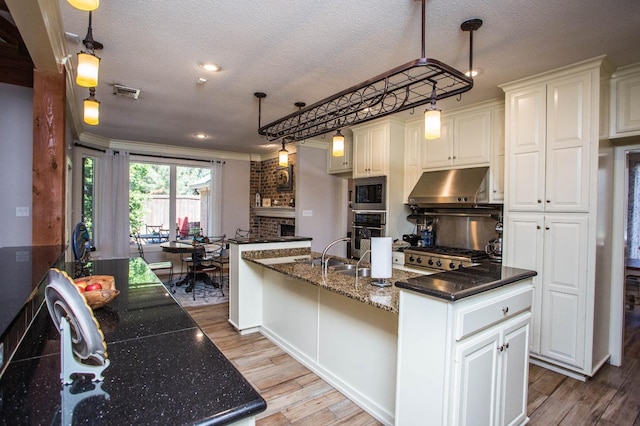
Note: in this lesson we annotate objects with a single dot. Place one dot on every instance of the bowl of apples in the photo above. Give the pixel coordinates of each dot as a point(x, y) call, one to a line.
point(97, 289)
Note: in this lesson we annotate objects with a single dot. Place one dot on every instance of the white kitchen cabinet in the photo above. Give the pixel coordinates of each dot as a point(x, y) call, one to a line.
point(413, 137)
point(496, 169)
point(371, 150)
point(549, 137)
point(556, 170)
point(554, 245)
point(465, 141)
point(337, 165)
point(464, 362)
point(625, 102)
point(489, 369)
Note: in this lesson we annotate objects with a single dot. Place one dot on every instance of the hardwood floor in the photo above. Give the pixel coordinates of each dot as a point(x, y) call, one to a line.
point(296, 396)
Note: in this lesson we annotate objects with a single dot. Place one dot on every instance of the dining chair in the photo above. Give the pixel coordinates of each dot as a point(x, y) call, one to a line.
point(199, 264)
point(155, 266)
point(217, 249)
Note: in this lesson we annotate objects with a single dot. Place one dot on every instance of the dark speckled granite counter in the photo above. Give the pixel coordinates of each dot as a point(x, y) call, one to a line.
point(163, 368)
point(460, 283)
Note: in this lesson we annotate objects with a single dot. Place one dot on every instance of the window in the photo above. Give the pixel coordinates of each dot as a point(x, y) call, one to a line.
point(633, 205)
point(87, 214)
point(160, 213)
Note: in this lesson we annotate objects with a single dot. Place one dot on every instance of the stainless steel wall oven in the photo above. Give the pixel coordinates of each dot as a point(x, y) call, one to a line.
point(366, 224)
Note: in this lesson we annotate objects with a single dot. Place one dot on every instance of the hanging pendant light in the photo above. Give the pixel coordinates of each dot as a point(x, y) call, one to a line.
point(432, 118)
point(88, 62)
point(86, 5)
point(283, 157)
point(91, 108)
point(337, 149)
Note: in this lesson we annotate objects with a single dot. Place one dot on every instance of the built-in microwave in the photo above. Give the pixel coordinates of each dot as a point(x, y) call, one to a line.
point(370, 193)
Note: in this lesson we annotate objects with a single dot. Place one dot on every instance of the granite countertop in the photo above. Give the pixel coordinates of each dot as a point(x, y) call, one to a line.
point(258, 240)
point(163, 368)
point(285, 262)
point(446, 285)
point(460, 283)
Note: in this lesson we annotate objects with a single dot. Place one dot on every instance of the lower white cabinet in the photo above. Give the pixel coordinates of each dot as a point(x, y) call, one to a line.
point(554, 245)
point(492, 389)
point(464, 362)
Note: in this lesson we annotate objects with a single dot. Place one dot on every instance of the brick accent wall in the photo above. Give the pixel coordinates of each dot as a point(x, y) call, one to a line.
point(263, 180)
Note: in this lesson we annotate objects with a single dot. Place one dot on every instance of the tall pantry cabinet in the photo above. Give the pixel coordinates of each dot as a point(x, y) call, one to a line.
point(552, 150)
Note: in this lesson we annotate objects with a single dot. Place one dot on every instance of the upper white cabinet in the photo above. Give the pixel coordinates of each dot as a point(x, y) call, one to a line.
point(465, 141)
point(549, 137)
point(340, 164)
point(496, 170)
point(371, 144)
point(413, 137)
point(625, 102)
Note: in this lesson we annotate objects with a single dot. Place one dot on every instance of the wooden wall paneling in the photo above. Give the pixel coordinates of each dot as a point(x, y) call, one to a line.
point(49, 167)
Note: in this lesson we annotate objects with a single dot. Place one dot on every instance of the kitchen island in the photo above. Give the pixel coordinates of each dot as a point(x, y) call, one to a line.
point(360, 338)
point(163, 368)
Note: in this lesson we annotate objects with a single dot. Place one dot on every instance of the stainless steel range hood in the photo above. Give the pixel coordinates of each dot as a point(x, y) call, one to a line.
point(451, 188)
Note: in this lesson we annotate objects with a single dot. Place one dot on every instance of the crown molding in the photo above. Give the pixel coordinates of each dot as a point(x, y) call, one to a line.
point(142, 148)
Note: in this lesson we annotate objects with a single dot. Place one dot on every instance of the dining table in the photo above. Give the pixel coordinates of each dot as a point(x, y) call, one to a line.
point(187, 247)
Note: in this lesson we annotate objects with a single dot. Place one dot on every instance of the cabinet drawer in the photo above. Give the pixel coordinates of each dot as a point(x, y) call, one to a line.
point(478, 316)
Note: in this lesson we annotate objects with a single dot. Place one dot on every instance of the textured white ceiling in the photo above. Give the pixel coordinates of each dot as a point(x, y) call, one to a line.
point(306, 50)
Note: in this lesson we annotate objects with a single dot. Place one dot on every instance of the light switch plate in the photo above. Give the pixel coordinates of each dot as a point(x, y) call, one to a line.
point(307, 212)
point(22, 211)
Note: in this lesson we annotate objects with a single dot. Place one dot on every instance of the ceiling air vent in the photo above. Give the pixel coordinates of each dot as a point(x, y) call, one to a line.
point(127, 92)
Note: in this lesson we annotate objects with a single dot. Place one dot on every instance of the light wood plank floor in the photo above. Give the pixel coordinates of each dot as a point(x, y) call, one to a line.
point(296, 396)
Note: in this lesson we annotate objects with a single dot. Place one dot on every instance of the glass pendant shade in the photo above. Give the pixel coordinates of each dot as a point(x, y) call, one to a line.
point(88, 66)
point(337, 149)
point(91, 111)
point(283, 157)
point(432, 124)
point(86, 5)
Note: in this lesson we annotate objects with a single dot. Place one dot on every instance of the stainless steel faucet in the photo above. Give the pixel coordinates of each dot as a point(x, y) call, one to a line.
point(324, 252)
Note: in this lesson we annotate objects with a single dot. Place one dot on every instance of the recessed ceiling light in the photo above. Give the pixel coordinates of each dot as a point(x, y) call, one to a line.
point(201, 135)
point(209, 66)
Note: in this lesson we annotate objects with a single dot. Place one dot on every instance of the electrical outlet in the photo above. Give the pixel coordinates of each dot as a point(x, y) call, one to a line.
point(22, 211)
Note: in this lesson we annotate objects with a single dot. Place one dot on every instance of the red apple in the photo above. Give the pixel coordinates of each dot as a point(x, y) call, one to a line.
point(94, 286)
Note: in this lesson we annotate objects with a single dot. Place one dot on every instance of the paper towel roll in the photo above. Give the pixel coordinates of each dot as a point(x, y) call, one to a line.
point(381, 257)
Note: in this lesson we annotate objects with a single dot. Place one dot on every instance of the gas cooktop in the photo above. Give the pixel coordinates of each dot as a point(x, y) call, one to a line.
point(442, 257)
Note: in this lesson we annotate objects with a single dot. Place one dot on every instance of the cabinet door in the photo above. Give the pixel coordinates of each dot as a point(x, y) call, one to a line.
point(340, 164)
point(525, 165)
point(360, 154)
point(379, 151)
point(476, 380)
point(512, 398)
point(627, 108)
point(437, 153)
point(524, 248)
point(564, 288)
point(472, 138)
point(496, 175)
point(568, 142)
point(413, 136)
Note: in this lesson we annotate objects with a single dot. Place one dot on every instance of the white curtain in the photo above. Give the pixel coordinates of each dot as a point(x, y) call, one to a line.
point(216, 197)
point(112, 219)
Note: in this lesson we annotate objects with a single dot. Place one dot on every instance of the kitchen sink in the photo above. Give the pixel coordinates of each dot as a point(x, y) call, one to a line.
point(318, 262)
point(351, 270)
